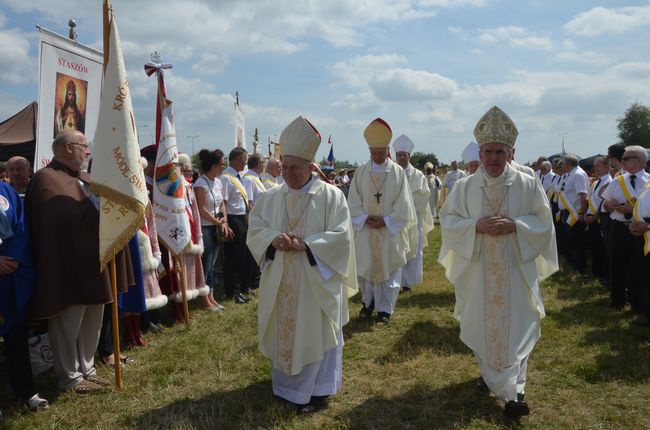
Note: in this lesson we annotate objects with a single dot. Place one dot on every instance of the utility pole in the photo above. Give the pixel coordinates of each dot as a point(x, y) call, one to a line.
point(563, 134)
point(196, 136)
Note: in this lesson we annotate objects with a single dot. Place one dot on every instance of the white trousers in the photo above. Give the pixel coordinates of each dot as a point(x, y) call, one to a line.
point(322, 378)
point(413, 270)
point(74, 335)
point(505, 383)
point(383, 294)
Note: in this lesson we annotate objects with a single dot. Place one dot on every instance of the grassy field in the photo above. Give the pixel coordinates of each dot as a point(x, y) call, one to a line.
point(590, 370)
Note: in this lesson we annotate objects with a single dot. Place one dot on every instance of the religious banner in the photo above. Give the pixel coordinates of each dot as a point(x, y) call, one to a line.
point(117, 174)
point(169, 209)
point(240, 127)
point(69, 90)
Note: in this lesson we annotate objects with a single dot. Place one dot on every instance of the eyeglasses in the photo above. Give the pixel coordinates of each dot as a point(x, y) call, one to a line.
point(83, 145)
point(629, 157)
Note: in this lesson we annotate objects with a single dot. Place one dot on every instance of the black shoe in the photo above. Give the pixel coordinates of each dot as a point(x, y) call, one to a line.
point(520, 397)
point(305, 409)
point(481, 385)
point(366, 312)
point(515, 410)
point(240, 300)
point(382, 318)
point(406, 289)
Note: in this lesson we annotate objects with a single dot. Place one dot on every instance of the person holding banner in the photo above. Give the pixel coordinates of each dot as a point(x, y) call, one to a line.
point(620, 197)
point(237, 262)
point(71, 290)
point(301, 236)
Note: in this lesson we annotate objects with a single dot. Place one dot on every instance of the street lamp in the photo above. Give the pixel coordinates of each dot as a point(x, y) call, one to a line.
point(196, 136)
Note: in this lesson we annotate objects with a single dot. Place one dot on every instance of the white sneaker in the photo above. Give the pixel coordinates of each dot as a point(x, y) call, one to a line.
point(36, 403)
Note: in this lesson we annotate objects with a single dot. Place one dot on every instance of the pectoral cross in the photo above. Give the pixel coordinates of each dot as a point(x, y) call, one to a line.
point(378, 195)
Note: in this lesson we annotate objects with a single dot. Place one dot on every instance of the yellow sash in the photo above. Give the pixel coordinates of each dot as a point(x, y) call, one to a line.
point(239, 186)
point(257, 181)
point(573, 216)
point(626, 192)
point(637, 218)
point(590, 200)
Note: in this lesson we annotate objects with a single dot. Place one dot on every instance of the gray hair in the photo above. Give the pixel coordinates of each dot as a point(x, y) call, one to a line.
point(637, 150)
point(571, 159)
point(546, 165)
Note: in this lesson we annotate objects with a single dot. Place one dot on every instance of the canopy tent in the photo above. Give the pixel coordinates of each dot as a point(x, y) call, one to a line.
point(18, 134)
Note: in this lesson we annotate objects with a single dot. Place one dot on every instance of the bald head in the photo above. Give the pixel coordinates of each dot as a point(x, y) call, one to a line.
point(273, 168)
point(70, 147)
point(18, 172)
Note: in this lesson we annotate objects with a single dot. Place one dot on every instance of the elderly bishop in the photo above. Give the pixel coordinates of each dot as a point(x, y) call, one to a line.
point(382, 213)
point(413, 270)
point(301, 236)
point(498, 244)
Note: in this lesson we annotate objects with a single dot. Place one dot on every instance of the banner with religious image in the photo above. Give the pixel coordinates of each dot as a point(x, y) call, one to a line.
point(69, 91)
point(240, 127)
point(169, 209)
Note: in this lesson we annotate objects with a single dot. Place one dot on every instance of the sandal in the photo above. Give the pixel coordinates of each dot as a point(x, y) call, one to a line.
point(85, 388)
point(98, 381)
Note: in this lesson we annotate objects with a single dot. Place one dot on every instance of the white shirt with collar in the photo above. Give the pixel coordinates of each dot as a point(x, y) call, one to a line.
point(575, 184)
point(614, 191)
point(546, 180)
point(595, 199)
point(236, 204)
point(253, 185)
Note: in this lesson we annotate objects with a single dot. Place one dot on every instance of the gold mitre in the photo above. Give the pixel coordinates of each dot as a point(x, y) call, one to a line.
point(378, 134)
point(495, 127)
point(300, 139)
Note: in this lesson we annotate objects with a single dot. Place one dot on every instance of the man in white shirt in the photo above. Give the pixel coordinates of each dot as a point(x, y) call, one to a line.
point(435, 185)
point(546, 176)
point(593, 218)
point(452, 176)
point(252, 180)
point(272, 174)
point(573, 204)
point(237, 263)
point(619, 198)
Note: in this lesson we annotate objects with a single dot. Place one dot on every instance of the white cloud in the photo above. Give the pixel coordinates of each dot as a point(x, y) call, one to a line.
point(17, 65)
point(601, 20)
point(210, 64)
point(514, 36)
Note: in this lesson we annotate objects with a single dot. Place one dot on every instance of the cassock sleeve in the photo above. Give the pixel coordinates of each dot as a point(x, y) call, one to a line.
point(260, 232)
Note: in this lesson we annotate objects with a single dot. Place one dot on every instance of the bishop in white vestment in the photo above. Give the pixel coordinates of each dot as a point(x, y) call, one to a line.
point(413, 270)
point(301, 236)
point(498, 244)
point(382, 213)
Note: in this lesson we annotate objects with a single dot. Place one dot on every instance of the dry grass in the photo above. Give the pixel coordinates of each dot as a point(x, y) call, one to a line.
point(589, 370)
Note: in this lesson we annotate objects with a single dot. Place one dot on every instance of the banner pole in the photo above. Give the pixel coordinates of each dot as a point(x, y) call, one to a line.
point(180, 268)
point(116, 328)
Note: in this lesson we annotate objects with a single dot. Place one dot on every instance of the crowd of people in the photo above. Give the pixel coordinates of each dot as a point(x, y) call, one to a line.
point(308, 241)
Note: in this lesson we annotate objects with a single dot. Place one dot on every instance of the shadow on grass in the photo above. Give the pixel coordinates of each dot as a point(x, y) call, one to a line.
point(425, 336)
point(439, 299)
point(453, 406)
point(249, 407)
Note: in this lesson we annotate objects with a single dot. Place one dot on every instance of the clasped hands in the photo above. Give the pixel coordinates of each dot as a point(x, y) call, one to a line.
point(638, 228)
point(7, 265)
point(496, 225)
point(375, 221)
point(288, 242)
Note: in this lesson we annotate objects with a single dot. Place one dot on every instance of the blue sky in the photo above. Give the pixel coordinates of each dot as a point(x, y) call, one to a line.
point(430, 68)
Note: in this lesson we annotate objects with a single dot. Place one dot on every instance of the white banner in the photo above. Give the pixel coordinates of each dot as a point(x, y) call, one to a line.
point(240, 127)
point(172, 220)
point(69, 89)
point(117, 174)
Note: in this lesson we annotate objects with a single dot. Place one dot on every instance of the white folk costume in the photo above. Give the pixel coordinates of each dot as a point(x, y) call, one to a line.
point(150, 256)
point(413, 270)
point(268, 181)
point(381, 253)
point(496, 278)
point(303, 298)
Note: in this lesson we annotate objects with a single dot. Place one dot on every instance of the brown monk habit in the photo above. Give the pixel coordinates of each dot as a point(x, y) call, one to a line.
point(64, 225)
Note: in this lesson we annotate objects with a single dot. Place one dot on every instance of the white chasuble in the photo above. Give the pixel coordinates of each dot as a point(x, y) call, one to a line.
point(385, 193)
point(496, 279)
point(302, 308)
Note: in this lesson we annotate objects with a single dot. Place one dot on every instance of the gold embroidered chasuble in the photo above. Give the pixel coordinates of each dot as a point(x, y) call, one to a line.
point(378, 253)
point(300, 312)
point(496, 278)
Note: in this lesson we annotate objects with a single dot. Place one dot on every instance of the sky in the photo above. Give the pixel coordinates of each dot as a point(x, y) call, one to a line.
point(430, 68)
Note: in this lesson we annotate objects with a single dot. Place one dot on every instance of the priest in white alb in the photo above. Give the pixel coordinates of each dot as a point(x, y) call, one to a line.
point(413, 270)
point(498, 244)
point(301, 236)
point(382, 213)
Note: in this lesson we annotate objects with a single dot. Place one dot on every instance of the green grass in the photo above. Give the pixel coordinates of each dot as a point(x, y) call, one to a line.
point(589, 370)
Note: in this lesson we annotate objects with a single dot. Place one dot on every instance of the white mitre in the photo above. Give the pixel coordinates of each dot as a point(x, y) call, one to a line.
point(300, 139)
point(470, 153)
point(403, 144)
